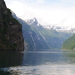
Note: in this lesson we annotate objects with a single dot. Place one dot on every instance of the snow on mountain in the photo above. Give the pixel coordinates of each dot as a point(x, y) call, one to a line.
point(34, 21)
point(60, 28)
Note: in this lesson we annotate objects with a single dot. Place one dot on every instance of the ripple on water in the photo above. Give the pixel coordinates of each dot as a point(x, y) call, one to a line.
point(42, 70)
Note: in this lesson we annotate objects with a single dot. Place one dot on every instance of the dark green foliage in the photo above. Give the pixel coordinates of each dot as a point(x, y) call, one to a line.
point(4, 29)
point(10, 30)
point(3, 40)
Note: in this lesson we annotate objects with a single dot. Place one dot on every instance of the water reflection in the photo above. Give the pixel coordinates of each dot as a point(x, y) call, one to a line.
point(51, 57)
point(69, 56)
point(47, 62)
point(10, 58)
point(41, 57)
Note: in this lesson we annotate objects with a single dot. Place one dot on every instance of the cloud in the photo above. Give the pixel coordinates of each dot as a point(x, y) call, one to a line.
point(40, 1)
point(65, 0)
point(68, 1)
point(17, 7)
point(21, 10)
point(63, 16)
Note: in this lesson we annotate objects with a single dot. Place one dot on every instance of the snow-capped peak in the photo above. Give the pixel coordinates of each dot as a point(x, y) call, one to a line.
point(60, 28)
point(33, 21)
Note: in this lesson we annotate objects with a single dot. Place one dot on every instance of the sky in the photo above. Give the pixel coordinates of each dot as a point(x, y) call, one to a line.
point(47, 12)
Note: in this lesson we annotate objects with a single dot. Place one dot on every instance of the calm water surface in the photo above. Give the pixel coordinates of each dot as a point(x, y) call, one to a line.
point(41, 62)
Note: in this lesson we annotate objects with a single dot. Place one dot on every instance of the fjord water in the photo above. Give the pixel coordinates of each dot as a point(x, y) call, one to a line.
point(40, 62)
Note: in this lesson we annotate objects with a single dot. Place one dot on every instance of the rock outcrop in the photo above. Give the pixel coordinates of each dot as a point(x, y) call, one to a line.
point(10, 30)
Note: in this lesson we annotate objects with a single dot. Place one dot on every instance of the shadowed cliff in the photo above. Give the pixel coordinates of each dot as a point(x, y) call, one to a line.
point(10, 30)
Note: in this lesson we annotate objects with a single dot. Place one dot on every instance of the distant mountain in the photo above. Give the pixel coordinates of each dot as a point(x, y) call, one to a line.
point(51, 36)
point(32, 40)
point(37, 36)
point(67, 29)
point(69, 43)
point(60, 28)
point(33, 22)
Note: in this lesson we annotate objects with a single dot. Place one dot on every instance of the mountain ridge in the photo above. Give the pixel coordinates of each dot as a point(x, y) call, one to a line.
point(68, 29)
point(52, 37)
point(38, 37)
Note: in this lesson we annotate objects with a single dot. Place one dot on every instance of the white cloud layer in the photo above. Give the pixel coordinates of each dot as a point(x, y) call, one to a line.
point(40, 1)
point(53, 15)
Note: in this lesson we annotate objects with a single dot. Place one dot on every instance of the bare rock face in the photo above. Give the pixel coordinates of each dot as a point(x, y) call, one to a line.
point(10, 30)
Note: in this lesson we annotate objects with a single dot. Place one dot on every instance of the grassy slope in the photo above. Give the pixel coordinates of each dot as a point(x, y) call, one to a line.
point(69, 43)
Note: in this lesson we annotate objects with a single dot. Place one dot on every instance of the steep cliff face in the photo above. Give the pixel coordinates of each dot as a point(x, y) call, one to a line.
point(10, 30)
point(34, 40)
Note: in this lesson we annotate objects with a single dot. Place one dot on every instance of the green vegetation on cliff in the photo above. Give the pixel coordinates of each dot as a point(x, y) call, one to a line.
point(4, 42)
point(10, 30)
point(69, 43)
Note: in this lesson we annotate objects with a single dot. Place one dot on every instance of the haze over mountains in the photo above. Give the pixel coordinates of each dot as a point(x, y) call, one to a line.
point(38, 36)
point(53, 35)
point(47, 12)
point(34, 21)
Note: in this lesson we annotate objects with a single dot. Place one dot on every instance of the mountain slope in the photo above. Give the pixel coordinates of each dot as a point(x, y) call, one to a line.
point(38, 37)
point(69, 43)
point(32, 40)
point(53, 38)
point(35, 41)
point(10, 30)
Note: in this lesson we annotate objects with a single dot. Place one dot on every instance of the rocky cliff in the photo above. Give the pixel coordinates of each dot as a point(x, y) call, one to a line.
point(10, 30)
